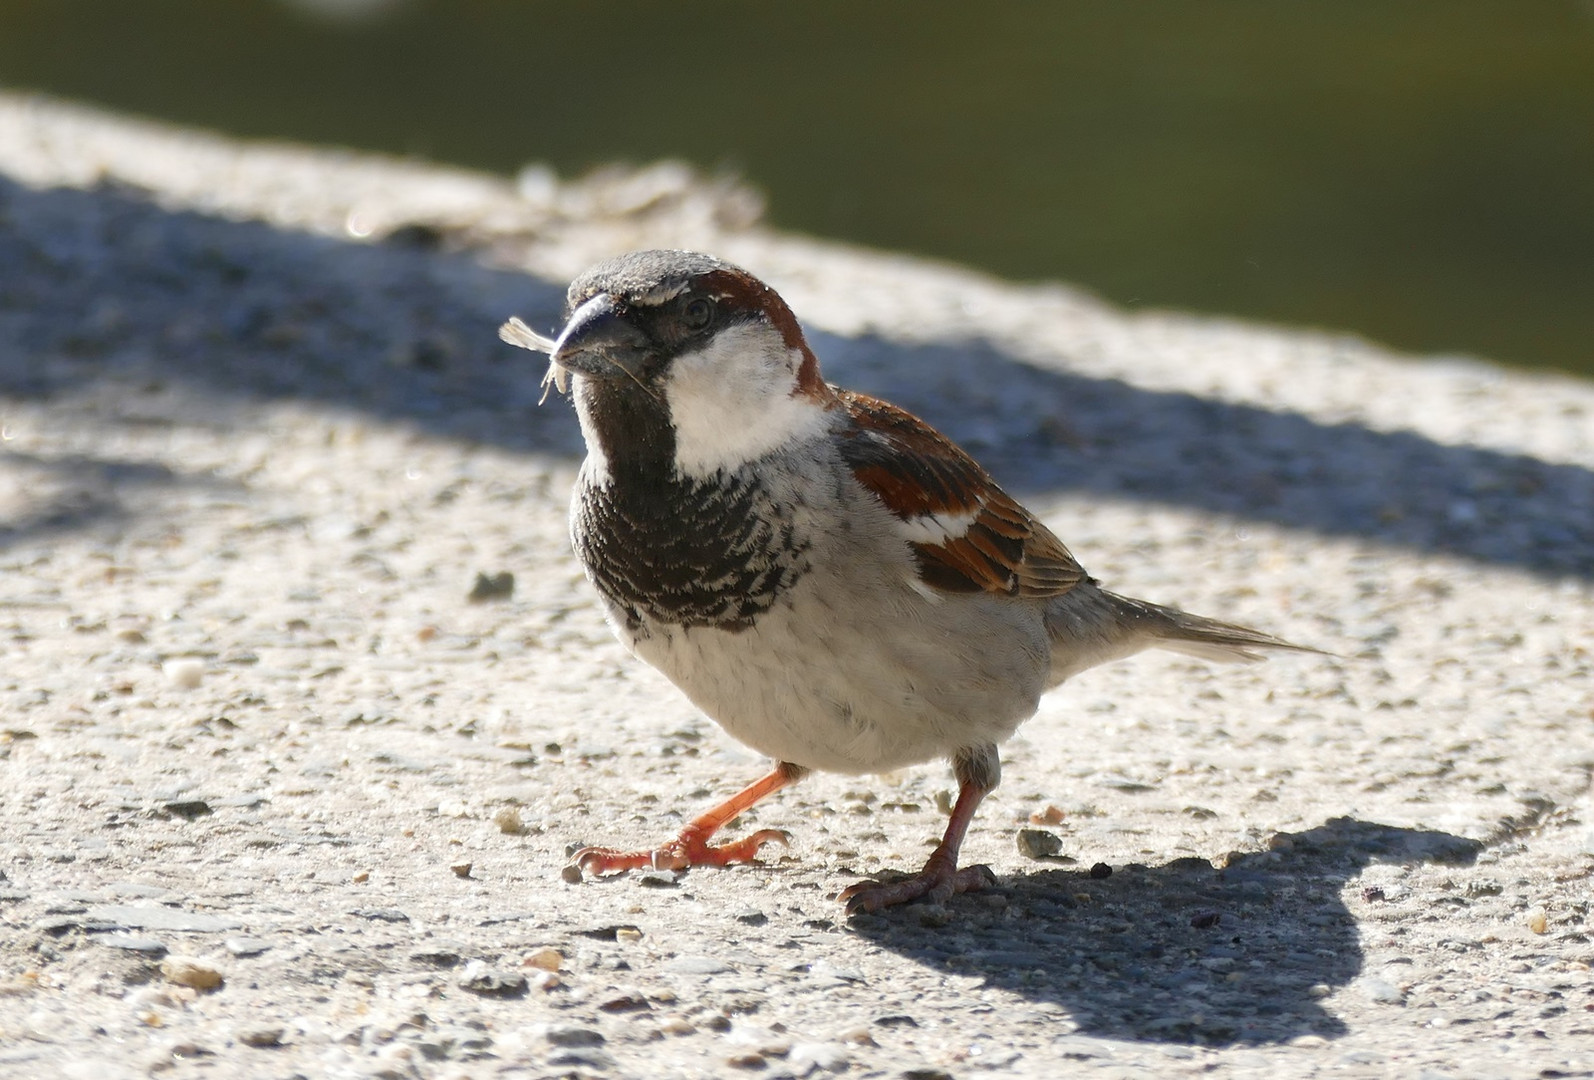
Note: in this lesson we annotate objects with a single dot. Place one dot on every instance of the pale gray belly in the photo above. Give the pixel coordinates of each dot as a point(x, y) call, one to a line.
point(861, 676)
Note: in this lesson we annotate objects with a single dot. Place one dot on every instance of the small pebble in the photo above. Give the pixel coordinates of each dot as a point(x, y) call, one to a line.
point(25, 983)
point(261, 1037)
point(627, 933)
point(824, 969)
point(1038, 843)
point(570, 874)
point(246, 946)
point(184, 672)
point(499, 586)
point(1101, 870)
point(461, 869)
point(186, 971)
point(547, 959)
point(508, 821)
point(133, 944)
point(1538, 921)
point(569, 1035)
point(1373, 894)
point(188, 809)
point(589, 1057)
point(1382, 991)
point(806, 1057)
point(896, 1020)
point(478, 978)
point(442, 956)
point(1049, 816)
point(1204, 920)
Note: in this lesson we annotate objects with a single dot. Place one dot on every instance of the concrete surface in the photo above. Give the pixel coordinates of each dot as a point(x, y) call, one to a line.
point(277, 799)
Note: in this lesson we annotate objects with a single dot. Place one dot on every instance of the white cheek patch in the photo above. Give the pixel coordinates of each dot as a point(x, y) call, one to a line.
point(731, 402)
point(935, 528)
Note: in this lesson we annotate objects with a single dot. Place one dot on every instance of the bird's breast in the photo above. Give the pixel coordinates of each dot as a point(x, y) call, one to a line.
point(713, 552)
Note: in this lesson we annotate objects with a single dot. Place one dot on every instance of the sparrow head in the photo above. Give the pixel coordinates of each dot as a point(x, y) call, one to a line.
point(632, 316)
point(694, 343)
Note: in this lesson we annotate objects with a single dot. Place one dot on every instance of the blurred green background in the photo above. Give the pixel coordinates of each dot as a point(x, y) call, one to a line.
point(1418, 171)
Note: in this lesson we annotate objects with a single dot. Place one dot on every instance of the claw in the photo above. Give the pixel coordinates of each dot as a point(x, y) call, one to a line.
point(602, 860)
point(684, 851)
point(938, 881)
point(692, 848)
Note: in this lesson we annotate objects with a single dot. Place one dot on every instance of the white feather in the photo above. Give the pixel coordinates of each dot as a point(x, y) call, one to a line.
point(936, 528)
point(517, 333)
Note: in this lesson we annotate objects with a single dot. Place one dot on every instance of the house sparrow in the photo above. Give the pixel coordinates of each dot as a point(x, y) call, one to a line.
point(825, 575)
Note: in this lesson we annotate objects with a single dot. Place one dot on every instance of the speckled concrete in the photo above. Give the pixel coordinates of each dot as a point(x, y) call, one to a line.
point(258, 437)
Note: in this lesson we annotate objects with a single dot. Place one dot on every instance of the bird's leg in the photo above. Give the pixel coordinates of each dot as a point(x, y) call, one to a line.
point(978, 771)
point(691, 847)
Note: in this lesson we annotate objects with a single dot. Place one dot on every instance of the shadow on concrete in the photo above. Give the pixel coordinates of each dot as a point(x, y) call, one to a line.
point(104, 294)
point(75, 493)
point(1183, 952)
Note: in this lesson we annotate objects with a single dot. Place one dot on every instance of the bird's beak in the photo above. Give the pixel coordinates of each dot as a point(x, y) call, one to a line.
point(599, 341)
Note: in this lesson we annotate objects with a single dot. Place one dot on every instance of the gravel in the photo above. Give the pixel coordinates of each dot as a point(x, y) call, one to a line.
point(259, 445)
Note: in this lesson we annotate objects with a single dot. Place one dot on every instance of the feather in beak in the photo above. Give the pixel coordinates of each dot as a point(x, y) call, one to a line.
point(517, 333)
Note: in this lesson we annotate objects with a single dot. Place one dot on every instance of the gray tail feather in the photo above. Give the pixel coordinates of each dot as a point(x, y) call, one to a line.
point(1194, 635)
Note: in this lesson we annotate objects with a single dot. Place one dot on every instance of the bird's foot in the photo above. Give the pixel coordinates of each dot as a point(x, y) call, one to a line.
point(939, 881)
point(688, 849)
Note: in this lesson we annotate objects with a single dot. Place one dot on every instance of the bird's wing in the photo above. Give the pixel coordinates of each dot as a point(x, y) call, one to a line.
point(966, 532)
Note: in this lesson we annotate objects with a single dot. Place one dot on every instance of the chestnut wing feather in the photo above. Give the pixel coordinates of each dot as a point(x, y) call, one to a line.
point(966, 532)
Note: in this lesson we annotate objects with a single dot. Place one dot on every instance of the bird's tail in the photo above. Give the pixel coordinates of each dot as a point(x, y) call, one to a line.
point(1195, 635)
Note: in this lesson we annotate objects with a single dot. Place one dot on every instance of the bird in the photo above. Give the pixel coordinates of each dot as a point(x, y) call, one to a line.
point(826, 576)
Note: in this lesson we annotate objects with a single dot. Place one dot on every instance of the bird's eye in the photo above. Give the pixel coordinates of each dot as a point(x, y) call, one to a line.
point(698, 313)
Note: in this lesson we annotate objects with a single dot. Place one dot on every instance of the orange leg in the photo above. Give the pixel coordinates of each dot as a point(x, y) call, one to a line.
point(940, 879)
point(692, 848)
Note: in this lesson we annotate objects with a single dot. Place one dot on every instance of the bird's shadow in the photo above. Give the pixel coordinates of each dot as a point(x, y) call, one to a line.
point(1182, 952)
